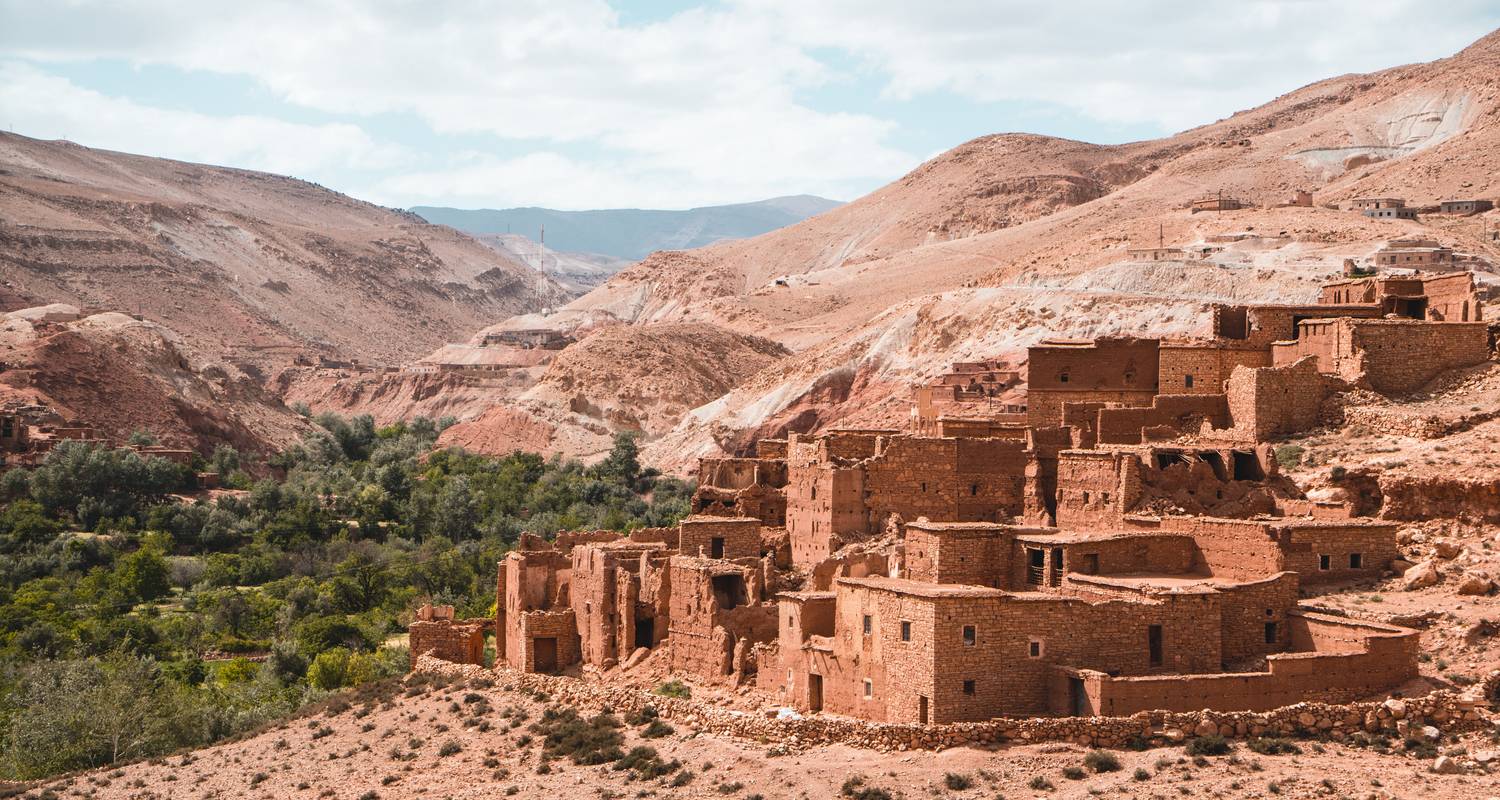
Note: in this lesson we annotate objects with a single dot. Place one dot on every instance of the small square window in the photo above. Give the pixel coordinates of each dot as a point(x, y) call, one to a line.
point(1187, 381)
point(1356, 561)
point(1325, 563)
point(869, 688)
point(970, 635)
point(867, 624)
point(969, 688)
point(1035, 648)
point(905, 631)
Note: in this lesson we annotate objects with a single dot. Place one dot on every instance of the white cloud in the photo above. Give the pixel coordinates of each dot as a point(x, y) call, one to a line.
point(698, 108)
point(47, 106)
point(708, 105)
point(1175, 63)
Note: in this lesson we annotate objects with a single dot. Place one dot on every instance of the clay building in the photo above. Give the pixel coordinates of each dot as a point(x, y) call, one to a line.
point(1118, 371)
point(1465, 206)
point(1157, 254)
point(532, 339)
point(993, 620)
point(1217, 203)
point(1301, 198)
point(601, 598)
point(1414, 254)
point(743, 487)
point(1374, 203)
point(846, 486)
point(1390, 213)
point(1391, 356)
point(969, 390)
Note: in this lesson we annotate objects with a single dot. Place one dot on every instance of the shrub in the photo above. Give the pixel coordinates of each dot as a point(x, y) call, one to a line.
point(1211, 745)
point(682, 778)
point(646, 763)
point(1273, 746)
point(730, 788)
point(854, 787)
point(1101, 761)
point(449, 748)
point(1289, 455)
point(957, 782)
point(657, 729)
point(1040, 784)
point(1141, 774)
point(596, 740)
point(674, 688)
point(1074, 773)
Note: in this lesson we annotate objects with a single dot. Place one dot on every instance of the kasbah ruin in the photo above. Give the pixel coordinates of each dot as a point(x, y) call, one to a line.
point(1097, 548)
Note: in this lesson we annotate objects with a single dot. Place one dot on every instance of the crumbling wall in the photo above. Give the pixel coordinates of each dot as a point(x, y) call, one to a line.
point(1181, 413)
point(1276, 401)
point(436, 631)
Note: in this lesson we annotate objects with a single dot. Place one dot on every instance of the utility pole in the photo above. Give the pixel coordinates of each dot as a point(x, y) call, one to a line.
point(1161, 235)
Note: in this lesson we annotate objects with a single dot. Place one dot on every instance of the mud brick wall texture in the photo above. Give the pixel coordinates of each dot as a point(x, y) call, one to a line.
point(1182, 413)
point(736, 537)
point(1449, 711)
point(461, 642)
point(1197, 369)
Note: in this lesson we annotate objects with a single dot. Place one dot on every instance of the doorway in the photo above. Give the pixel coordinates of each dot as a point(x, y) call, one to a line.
point(645, 633)
point(1153, 644)
point(814, 692)
point(544, 654)
point(716, 547)
point(1078, 699)
point(922, 709)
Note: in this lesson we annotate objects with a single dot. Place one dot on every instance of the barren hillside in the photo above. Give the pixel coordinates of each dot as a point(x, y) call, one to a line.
point(246, 265)
point(1004, 240)
point(117, 374)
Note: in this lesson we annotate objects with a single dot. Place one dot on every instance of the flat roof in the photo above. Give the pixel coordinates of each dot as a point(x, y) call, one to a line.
point(922, 588)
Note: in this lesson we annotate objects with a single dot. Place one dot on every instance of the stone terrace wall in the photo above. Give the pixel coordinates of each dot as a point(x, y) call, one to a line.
point(1446, 710)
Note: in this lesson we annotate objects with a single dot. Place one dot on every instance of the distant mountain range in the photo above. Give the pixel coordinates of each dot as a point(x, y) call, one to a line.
point(632, 233)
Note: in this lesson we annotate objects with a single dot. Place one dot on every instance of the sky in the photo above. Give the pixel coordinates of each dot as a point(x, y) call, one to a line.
point(579, 104)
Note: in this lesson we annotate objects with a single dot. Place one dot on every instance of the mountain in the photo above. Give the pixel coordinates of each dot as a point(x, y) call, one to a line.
point(576, 272)
point(631, 234)
point(244, 265)
point(1011, 238)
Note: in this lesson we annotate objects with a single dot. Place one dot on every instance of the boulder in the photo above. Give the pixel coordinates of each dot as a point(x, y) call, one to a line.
point(1430, 733)
point(1476, 582)
point(1419, 576)
point(1447, 548)
point(1446, 766)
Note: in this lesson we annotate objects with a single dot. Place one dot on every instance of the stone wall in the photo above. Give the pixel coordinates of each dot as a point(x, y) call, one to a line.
point(1391, 356)
point(1181, 414)
point(1276, 401)
point(1204, 368)
point(1447, 710)
point(720, 537)
point(459, 641)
